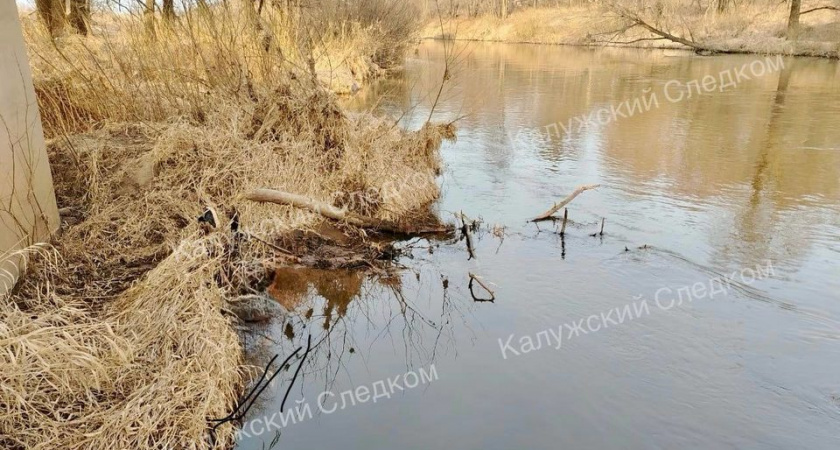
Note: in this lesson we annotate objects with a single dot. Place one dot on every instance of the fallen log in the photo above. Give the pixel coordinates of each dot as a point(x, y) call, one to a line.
point(331, 212)
point(547, 215)
point(303, 202)
point(636, 21)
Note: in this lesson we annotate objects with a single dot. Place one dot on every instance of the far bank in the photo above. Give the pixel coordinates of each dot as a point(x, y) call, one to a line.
point(746, 28)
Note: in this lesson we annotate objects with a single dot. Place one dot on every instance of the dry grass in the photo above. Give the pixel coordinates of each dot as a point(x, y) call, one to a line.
point(124, 341)
point(756, 27)
point(563, 25)
point(124, 73)
point(144, 373)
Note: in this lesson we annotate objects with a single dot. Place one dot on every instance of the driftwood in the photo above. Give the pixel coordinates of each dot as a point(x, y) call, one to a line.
point(331, 212)
point(300, 201)
point(547, 215)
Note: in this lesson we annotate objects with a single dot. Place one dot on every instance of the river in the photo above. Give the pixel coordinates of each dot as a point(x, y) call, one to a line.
point(707, 315)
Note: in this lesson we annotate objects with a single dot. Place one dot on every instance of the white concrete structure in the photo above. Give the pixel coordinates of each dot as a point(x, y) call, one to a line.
point(28, 212)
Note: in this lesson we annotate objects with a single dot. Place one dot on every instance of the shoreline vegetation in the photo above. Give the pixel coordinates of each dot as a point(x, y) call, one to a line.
point(751, 27)
point(123, 332)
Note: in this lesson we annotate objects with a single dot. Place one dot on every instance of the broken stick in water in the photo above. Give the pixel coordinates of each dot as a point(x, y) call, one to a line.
point(603, 219)
point(465, 229)
point(565, 219)
point(474, 277)
point(547, 215)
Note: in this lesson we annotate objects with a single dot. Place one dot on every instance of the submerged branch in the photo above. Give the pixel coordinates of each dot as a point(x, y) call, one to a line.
point(475, 278)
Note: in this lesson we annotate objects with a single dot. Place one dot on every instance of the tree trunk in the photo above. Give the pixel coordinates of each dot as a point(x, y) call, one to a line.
point(504, 11)
point(79, 17)
point(150, 18)
point(168, 10)
point(793, 20)
point(52, 13)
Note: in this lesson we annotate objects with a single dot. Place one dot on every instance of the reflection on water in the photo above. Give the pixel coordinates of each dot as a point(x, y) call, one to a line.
point(337, 287)
point(692, 190)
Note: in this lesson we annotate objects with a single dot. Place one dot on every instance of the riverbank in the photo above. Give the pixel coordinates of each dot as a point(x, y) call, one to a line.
point(122, 335)
point(746, 29)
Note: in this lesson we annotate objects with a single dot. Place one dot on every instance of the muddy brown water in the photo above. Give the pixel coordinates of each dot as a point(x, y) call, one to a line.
point(691, 191)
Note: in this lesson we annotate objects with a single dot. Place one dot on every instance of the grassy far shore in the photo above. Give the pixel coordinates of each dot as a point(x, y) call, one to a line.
point(121, 334)
point(755, 27)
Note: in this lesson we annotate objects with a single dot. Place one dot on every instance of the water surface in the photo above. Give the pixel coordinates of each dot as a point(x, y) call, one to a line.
point(691, 190)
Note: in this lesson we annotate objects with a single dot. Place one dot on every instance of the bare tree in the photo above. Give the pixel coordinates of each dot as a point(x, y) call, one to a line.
point(793, 20)
point(635, 20)
point(168, 9)
point(150, 17)
point(52, 13)
point(79, 17)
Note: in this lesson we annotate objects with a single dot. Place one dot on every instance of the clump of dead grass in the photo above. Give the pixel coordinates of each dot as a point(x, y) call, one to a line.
point(125, 341)
point(145, 372)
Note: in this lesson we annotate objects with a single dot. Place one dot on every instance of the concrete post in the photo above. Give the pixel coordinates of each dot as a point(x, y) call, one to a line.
point(28, 212)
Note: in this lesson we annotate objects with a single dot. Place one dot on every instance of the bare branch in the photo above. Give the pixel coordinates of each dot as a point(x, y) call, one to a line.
point(832, 8)
point(637, 40)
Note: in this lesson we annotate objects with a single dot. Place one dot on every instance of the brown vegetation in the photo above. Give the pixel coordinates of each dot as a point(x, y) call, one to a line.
point(53, 14)
point(755, 26)
point(120, 335)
